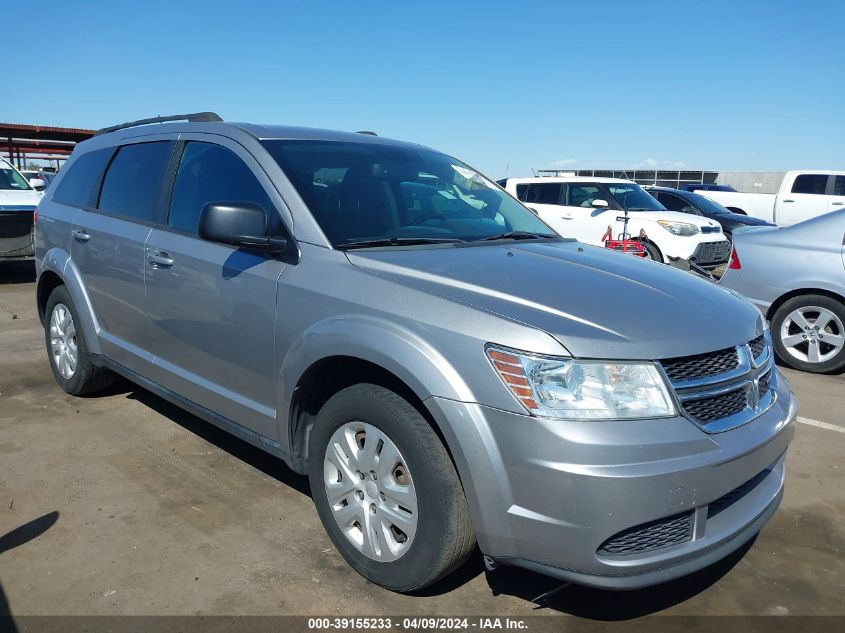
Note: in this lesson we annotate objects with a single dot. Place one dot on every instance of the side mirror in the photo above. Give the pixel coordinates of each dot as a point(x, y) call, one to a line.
point(37, 183)
point(241, 224)
point(599, 203)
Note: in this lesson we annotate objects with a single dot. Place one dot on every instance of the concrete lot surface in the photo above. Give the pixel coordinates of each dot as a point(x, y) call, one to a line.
point(124, 504)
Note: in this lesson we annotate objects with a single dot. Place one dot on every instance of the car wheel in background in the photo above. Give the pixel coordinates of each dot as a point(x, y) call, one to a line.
point(809, 333)
point(70, 360)
point(386, 489)
point(652, 252)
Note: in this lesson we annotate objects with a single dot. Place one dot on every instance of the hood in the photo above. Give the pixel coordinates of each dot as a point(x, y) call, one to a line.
point(595, 302)
point(19, 198)
point(737, 219)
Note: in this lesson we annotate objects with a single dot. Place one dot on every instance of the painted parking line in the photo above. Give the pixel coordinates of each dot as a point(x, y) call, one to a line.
point(821, 425)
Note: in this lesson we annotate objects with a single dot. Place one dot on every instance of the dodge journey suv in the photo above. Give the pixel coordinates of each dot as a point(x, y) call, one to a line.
point(444, 367)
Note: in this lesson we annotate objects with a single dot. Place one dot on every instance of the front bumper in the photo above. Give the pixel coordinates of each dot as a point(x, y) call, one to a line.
point(550, 495)
point(16, 238)
point(707, 251)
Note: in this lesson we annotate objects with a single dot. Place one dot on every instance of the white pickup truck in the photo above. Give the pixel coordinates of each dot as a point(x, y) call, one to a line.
point(802, 195)
point(585, 208)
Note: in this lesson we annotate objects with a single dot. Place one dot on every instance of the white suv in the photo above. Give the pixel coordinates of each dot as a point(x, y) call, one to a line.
point(584, 208)
point(18, 199)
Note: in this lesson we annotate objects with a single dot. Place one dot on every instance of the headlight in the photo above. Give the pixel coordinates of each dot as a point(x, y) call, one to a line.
point(583, 389)
point(679, 228)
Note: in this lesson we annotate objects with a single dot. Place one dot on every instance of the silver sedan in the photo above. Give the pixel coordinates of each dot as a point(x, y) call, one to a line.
point(796, 276)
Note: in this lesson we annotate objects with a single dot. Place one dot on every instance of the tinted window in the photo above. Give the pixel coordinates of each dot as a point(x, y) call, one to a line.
point(132, 186)
point(539, 192)
point(671, 201)
point(211, 173)
point(810, 183)
point(839, 186)
point(359, 192)
point(77, 185)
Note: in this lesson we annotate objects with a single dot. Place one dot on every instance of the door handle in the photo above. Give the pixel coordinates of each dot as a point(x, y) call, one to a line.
point(80, 235)
point(837, 204)
point(160, 259)
point(789, 200)
point(566, 216)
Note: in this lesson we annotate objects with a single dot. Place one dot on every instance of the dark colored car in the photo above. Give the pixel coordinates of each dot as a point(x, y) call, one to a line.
point(706, 187)
point(696, 204)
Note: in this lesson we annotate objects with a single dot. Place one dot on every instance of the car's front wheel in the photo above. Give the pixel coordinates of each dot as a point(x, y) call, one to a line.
point(386, 489)
point(809, 333)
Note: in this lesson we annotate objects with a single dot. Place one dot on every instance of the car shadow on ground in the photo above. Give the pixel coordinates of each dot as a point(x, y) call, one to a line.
point(17, 271)
point(543, 591)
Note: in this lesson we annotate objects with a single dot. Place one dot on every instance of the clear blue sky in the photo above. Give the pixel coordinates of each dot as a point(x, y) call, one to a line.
point(756, 85)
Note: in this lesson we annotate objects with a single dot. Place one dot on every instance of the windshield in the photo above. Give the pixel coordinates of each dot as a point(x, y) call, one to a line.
point(10, 179)
point(633, 197)
point(706, 204)
point(360, 192)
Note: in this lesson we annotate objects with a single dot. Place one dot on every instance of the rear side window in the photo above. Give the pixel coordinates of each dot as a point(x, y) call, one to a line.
point(211, 173)
point(810, 183)
point(839, 186)
point(132, 186)
point(77, 186)
point(672, 202)
point(539, 192)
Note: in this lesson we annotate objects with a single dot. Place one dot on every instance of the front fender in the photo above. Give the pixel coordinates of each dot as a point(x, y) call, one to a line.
point(384, 343)
point(58, 261)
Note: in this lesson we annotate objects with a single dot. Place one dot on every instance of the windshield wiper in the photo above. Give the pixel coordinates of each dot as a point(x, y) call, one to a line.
point(518, 235)
point(397, 241)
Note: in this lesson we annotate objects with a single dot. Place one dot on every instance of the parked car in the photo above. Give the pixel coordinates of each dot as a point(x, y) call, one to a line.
point(18, 200)
point(442, 365)
point(584, 208)
point(35, 179)
point(796, 276)
point(706, 187)
point(696, 204)
point(802, 195)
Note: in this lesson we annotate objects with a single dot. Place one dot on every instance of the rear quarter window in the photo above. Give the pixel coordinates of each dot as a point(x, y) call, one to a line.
point(77, 185)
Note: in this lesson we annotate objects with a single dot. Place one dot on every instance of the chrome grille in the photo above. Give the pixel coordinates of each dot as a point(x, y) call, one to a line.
point(649, 536)
point(701, 365)
point(726, 388)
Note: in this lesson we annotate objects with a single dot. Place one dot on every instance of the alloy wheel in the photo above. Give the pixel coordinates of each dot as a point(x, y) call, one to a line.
point(63, 341)
point(812, 334)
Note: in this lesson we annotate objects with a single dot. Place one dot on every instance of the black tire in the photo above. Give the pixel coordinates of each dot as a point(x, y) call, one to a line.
point(653, 251)
point(831, 365)
point(88, 378)
point(444, 537)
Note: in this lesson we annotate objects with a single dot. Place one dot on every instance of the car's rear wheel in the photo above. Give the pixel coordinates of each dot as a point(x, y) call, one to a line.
point(386, 490)
point(809, 333)
point(72, 364)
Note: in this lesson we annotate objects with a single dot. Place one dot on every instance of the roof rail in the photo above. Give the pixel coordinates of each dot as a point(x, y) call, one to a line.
point(206, 117)
point(367, 132)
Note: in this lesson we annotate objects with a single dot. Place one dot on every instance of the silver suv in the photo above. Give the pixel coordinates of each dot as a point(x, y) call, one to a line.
point(443, 366)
